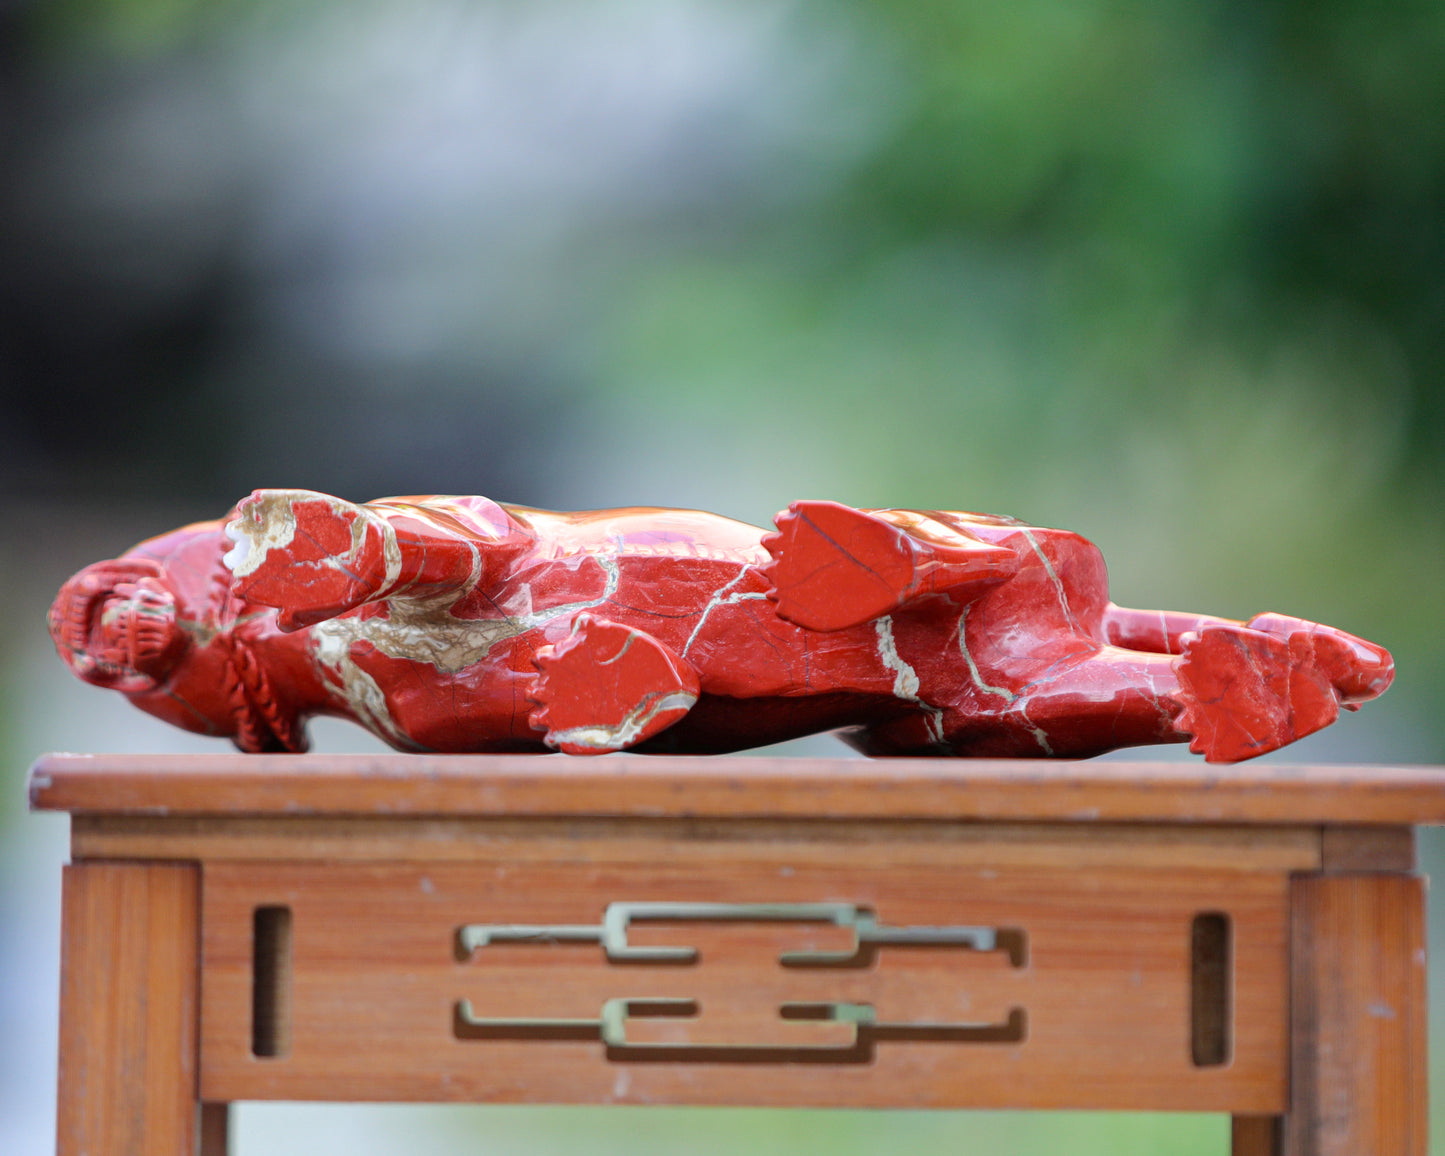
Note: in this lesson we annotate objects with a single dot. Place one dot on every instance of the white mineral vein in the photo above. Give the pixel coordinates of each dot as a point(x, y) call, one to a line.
point(421, 630)
point(600, 737)
point(722, 597)
point(1053, 577)
point(1003, 692)
point(905, 678)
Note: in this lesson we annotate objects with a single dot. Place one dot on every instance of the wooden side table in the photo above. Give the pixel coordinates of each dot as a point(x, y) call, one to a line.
point(903, 933)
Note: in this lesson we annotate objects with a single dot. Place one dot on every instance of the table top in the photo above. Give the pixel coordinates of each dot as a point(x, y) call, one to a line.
point(736, 787)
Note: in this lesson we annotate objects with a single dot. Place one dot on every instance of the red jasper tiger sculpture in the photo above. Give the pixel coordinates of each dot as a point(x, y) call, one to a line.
point(457, 624)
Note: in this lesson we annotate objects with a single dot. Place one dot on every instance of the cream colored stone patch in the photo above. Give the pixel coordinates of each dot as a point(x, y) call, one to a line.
point(905, 678)
point(424, 630)
point(275, 531)
point(390, 548)
point(357, 690)
point(625, 733)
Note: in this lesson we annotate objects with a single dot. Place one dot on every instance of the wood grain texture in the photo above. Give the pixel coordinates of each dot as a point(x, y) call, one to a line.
point(1019, 790)
point(1101, 870)
point(128, 1010)
point(1104, 987)
point(591, 840)
point(1359, 1078)
point(1350, 849)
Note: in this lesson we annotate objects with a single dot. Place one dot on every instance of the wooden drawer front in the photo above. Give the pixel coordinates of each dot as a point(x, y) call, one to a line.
point(1021, 986)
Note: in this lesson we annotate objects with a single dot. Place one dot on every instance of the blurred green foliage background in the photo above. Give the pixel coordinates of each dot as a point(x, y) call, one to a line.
point(1171, 274)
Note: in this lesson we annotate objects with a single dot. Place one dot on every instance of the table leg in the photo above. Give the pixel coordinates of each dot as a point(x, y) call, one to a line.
point(1256, 1136)
point(215, 1129)
point(128, 1010)
point(1358, 1065)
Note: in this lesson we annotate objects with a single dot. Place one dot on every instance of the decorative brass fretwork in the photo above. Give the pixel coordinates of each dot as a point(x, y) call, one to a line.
point(611, 933)
point(842, 1031)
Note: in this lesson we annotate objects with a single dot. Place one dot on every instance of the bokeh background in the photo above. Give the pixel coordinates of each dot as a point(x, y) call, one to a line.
point(1171, 274)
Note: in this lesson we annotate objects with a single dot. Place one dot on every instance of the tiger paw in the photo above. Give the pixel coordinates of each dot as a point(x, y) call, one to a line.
point(310, 556)
point(1357, 669)
point(834, 567)
point(608, 687)
point(1244, 692)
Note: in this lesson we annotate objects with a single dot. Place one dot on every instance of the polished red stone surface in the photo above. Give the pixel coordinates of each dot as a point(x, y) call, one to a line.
point(457, 624)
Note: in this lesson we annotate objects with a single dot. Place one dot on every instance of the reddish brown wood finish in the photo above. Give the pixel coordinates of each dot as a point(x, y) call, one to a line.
point(875, 789)
point(1102, 982)
point(1358, 1070)
point(1106, 869)
point(1352, 850)
point(700, 842)
point(128, 1010)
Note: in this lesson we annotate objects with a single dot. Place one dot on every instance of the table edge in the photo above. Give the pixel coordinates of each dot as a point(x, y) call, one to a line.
point(1019, 790)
